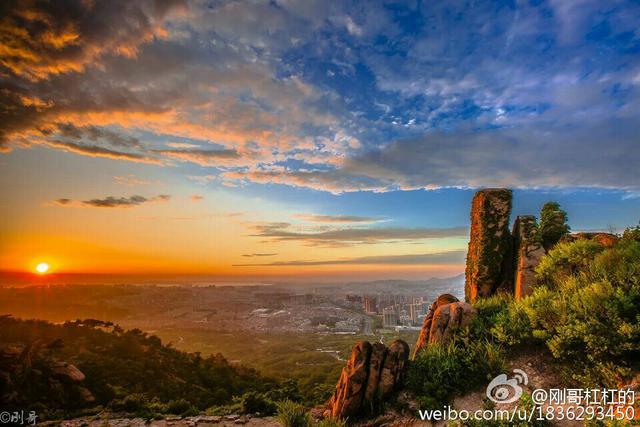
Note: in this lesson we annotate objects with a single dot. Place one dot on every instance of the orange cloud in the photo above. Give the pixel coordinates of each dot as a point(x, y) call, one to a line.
point(39, 39)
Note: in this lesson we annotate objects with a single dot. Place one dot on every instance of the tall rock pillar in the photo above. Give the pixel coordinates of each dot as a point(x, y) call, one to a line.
point(489, 259)
point(528, 252)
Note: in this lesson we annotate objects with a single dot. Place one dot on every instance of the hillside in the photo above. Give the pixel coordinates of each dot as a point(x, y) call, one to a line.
point(62, 370)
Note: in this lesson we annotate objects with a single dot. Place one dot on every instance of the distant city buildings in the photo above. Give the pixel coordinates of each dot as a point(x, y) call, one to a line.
point(370, 305)
point(398, 310)
point(390, 318)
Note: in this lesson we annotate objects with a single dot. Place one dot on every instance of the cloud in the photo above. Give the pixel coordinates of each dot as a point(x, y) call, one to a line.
point(282, 231)
point(449, 257)
point(337, 218)
point(196, 198)
point(130, 180)
point(334, 180)
point(113, 202)
point(44, 38)
point(168, 73)
point(202, 157)
point(465, 95)
point(63, 202)
point(98, 151)
point(254, 255)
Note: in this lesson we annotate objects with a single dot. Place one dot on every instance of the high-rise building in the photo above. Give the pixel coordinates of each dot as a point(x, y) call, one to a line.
point(414, 311)
point(370, 305)
point(390, 318)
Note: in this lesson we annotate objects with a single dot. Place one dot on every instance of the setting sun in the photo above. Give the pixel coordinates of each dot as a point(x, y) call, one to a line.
point(42, 268)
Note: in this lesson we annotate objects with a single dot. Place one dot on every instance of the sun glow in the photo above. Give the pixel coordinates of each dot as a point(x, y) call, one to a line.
point(42, 268)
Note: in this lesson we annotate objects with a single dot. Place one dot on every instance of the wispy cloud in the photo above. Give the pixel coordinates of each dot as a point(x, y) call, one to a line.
point(450, 257)
point(201, 157)
point(99, 151)
point(112, 202)
point(257, 255)
point(283, 231)
point(337, 218)
point(130, 180)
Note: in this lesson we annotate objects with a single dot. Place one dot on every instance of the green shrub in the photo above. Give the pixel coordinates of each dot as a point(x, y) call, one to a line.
point(331, 422)
point(133, 403)
point(566, 259)
point(292, 414)
point(632, 233)
point(588, 317)
point(253, 403)
point(179, 407)
point(441, 370)
point(511, 326)
point(553, 224)
point(619, 265)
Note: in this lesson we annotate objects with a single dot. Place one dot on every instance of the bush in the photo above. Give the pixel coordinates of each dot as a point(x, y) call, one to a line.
point(440, 370)
point(292, 414)
point(179, 407)
point(588, 313)
point(566, 259)
point(253, 403)
point(133, 403)
point(553, 224)
point(331, 422)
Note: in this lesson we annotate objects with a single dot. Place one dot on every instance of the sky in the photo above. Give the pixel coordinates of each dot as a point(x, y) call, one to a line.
point(299, 138)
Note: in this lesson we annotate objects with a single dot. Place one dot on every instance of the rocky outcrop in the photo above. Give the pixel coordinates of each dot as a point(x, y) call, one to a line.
point(448, 318)
point(445, 315)
point(489, 259)
point(528, 253)
point(67, 372)
point(32, 363)
point(425, 332)
point(607, 240)
point(393, 369)
point(371, 375)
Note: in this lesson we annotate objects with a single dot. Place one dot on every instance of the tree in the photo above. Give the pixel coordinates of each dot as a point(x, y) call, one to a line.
point(553, 224)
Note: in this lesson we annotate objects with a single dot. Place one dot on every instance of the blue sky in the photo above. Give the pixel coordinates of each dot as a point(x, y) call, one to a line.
point(395, 112)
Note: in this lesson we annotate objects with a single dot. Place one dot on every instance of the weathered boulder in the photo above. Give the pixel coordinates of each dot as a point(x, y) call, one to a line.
point(376, 361)
point(372, 373)
point(393, 369)
point(607, 240)
point(66, 371)
point(445, 315)
point(448, 318)
point(349, 394)
point(425, 332)
point(85, 394)
point(528, 252)
point(489, 259)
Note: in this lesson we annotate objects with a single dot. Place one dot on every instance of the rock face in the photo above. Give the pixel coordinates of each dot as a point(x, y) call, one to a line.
point(528, 252)
point(445, 315)
point(371, 375)
point(67, 372)
point(51, 377)
point(607, 240)
point(489, 259)
point(448, 318)
point(425, 332)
